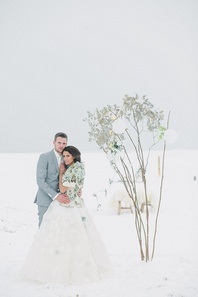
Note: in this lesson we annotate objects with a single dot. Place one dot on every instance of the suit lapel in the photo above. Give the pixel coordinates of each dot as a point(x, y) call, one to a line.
point(54, 160)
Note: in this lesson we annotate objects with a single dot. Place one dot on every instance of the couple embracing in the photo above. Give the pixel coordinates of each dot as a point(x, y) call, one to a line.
point(67, 248)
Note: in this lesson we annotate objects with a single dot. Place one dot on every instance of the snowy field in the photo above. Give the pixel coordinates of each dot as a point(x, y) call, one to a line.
point(172, 273)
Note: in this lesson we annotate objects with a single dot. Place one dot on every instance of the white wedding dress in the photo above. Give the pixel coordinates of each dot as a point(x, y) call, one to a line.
point(67, 248)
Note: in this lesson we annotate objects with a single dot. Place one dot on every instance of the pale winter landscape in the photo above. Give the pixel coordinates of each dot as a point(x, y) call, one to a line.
point(174, 269)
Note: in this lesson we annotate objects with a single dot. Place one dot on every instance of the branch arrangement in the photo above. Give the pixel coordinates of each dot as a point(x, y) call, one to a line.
point(125, 133)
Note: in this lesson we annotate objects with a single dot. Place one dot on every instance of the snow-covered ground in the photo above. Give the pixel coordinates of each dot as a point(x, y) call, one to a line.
point(172, 273)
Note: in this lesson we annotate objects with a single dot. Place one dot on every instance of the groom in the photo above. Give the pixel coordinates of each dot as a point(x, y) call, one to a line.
point(47, 175)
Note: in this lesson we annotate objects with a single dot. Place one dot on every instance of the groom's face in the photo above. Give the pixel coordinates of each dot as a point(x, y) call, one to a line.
point(59, 144)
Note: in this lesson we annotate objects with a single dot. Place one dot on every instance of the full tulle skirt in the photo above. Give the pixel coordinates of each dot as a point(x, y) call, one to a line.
point(67, 249)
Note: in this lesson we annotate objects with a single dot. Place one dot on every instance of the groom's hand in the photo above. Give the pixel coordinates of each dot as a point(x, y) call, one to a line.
point(63, 198)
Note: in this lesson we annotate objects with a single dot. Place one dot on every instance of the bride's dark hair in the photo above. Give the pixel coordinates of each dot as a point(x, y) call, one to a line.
point(74, 152)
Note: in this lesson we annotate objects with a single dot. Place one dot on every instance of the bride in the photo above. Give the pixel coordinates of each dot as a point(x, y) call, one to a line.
point(67, 248)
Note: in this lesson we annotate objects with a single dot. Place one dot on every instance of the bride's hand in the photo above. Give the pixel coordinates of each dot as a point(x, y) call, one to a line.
point(62, 168)
point(63, 198)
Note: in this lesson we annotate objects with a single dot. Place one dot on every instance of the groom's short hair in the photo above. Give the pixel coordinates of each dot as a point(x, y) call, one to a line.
point(60, 134)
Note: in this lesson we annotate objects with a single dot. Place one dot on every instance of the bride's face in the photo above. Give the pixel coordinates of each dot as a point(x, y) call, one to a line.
point(68, 158)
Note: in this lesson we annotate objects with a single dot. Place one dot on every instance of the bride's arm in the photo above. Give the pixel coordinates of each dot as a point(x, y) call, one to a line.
point(62, 188)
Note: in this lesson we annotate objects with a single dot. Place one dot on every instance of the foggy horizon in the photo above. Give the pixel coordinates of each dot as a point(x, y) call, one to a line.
point(61, 59)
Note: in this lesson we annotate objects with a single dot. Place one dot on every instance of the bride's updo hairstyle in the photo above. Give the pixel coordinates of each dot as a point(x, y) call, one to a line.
point(74, 152)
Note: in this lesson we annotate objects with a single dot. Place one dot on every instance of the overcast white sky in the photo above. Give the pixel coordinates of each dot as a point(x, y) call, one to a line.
point(61, 58)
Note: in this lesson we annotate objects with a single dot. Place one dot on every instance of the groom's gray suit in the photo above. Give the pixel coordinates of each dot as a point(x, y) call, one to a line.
point(47, 175)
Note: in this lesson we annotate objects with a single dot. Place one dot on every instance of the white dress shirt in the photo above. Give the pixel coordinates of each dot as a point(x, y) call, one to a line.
point(58, 157)
point(59, 160)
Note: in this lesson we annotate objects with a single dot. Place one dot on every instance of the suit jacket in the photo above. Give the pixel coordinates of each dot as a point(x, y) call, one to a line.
point(47, 177)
